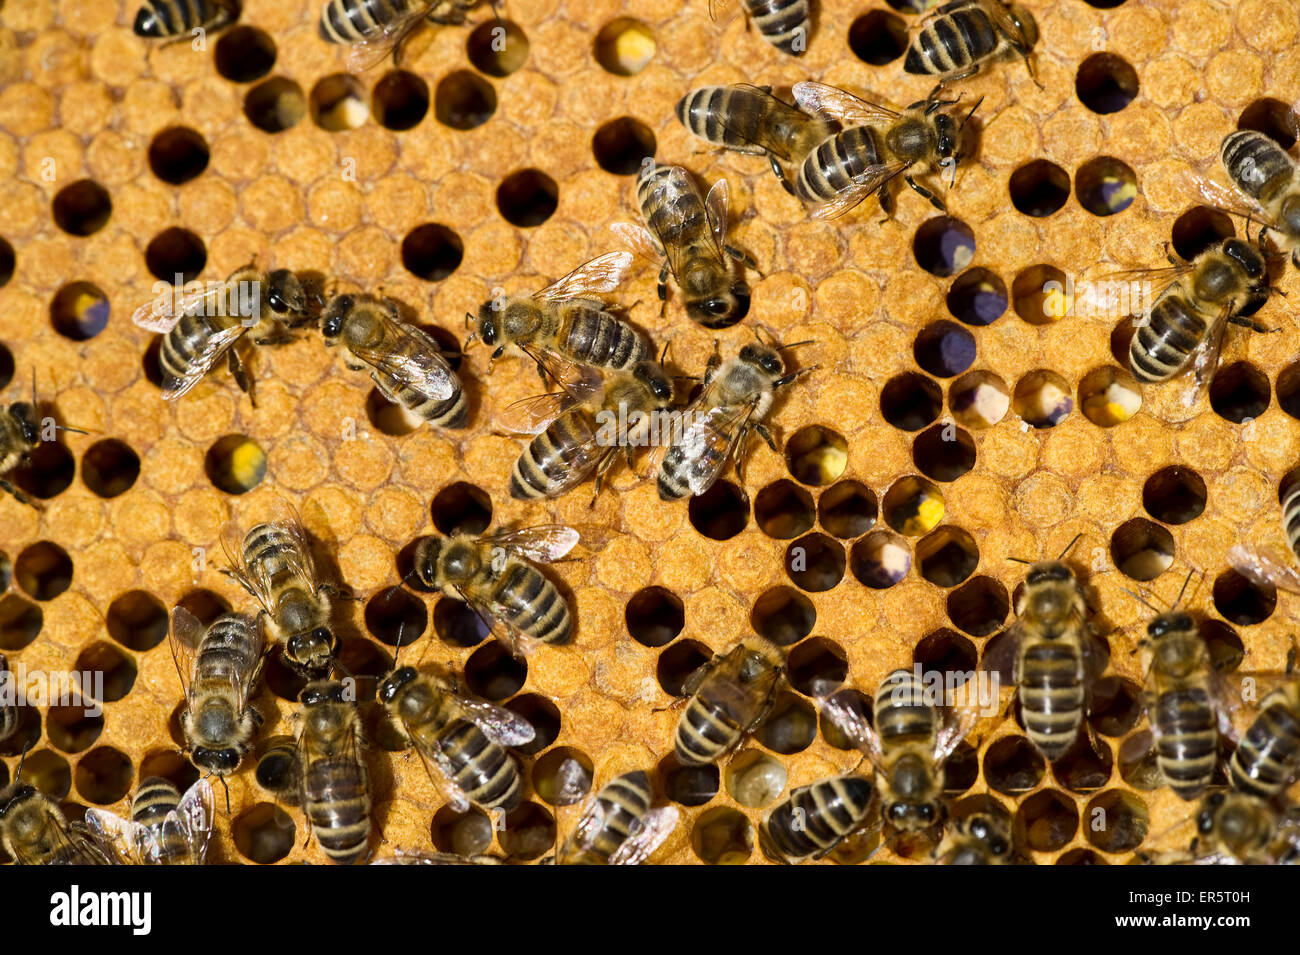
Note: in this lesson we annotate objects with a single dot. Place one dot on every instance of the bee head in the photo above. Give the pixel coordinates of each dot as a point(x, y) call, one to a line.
point(310, 652)
point(721, 310)
point(427, 554)
point(1172, 622)
point(147, 22)
point(285, 293)
point(322, 691)
point(912, 816)
point(764, 358)
point(1049, 592)
point(983, 828)
point(220, 761)
point(394, 682)
point(17, 793)
point(23, 414)
point(489, 329)
point(651, 374)
point(1288, 217)
point(947, 133)
point(331, 323)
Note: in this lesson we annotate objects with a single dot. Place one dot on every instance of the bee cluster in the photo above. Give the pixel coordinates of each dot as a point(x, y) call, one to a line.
point(954, 776)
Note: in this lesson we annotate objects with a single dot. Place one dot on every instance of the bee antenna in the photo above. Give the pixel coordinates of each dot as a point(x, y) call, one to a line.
point(966, 118)
point(1140, 599)
point(1182, 591)
point(60, 427)
point(806, 341)
point(18, 773)
point(664, 353)
point(222, 778)
point(1070, 546)
point(1020, 560)
point(397, 651)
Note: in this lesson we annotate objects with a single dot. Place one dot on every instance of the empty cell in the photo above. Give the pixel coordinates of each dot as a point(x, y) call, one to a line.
point(461, 508)
point(910, 401)
point(654, 616)
point(7, 264)
point(1241, 600)
point(784, 510)
point(400, 101)
point(815, 562)
point(1199, 228)
point(1013, 766)
point(620, 145)
point(43, 570)
point(47, 472)
point(1239, 393)
point(118, 671)
point(878, 37)
point(721, 512)
point(948, 654)
point(264, 834)
point(943, 452)
point(82, 208)
point(1081, 856)
point(1106, 83)
point(527, 198)
point(529, 832)
point(1174, 495)
point(176, 255)
point(791, 725)
point(396, 617)
point(103, 776)
point(204, 605)
point(457, 624)
point(1039, 188)
point(462, 100)
point(432, 252)
point(783, 615)
point(20, 622)
point(244, 54)
point(1085, 768)
point(492, 673)
point(49, 773)
point(178, 154)
point(1142, 550)
point(947, 556)
point(678, 662)
point(817, 667)
point(1272, 117)
point(497, 47)
point(847, 509)
point(110, 467)
point(979, 606)
point(1288, 390)
point(1115, 704)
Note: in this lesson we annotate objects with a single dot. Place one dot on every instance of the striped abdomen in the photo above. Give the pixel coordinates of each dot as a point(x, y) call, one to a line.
point(903, 715)
point(532, 603)
point(336, 800)
point(452, 412)
point(620, 804)
point(485, 772)
point(1050, 685)
point(830, 168)
point(672, 207)
point(556, 459)
point(1269, 751)
point(816, 818)
point(1164, 344)
point(954, 41)
point(1186, 744)
point(592, 336)
point(274, 550)
point(349, 21)
point(228, 653)
point(171, 18)
point(782, 23)
point(150, 805)
point(677, 473)
point(727, 116)
point(1257, 165)
point(1291, 518)
point(185, 340)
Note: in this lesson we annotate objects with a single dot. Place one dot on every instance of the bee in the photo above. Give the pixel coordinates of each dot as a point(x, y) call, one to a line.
point(335, 784)
point(34, 831)
point(876, 146)
point(687, 232)
point(462, 741)
point(9, 713)
point(736, 397)
point(573, 439)
point(1185, 328)
point(912, 739)
point(201, 328)
point(958, 38)
point(376, 28)
point(563, 325)
point(1264, 174)
point(1268, 754)
point(177, 19)
point(1235, 828)
point(218, 668)
point(726, 699)
point(618, 826)
point(519, 605)
point(749, 119)
point(782, 23)
point(21, 432)
point(816, 818)
point(982, 838)
point(165, 827)
point(273, 562)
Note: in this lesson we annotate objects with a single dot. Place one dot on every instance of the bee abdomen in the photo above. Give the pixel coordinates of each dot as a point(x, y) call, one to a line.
point(182, 343)
point(1268, 753)
point(783, 23)
point(549, 458)
point(671, 205)
point(533, 604)
point(624, 801)
point(704, 733)
point(229, 650)
point(724, 116)
point(1257, 164)
point(170, 18)
point(338, 805)
point(597, 338)
point(484, 771)
point(1164, 344)
point(348, 21)
point(1291, 518)
point(816, 818)
point(1051, 697)
point(831, 167)
point(1186, 748)
point(951, 42)
point(452, 413)
point(902, 713)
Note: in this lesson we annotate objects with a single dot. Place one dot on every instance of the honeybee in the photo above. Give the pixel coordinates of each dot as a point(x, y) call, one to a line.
point(376, 28)
point(618, 826)
point(876, 145)
point(21, 432)
point(749, 119)
point(462, 741)
point(1185, 328)
point(278, 770)
point(8, 703)
point(958, 38)
point(982, 838)
point(1267, 756)
point(736, 397)
point(165, 828)
point(205, 326)
point(563, 326)
point(909, 745)
point(273, 562)
point(34, 831)
point(335, 784)
point(726, 699)
point(782, 23)
point(687, 232)
point(218, 668)
point(1235, 828)
point(514, 599)
point(407, 364)
point(573, 439)
point(816, 818)
point(177, 19)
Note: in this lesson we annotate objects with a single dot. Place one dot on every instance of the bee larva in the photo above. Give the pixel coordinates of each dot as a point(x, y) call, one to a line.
point(958, 38)
point(1267, 175)
point(461, 741)
point(815, 819)
point(176, 19)
point(165, 828)
point(618, 826)
point(726, 699)
point(335, 784)
point(983, 838)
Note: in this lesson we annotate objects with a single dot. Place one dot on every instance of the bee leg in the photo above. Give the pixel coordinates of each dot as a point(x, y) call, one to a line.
point(676, 704)
point(766, 434)
point(662, 290)
point(922, 190)
point(887, 204)
point(1174, 260)
point(780, 174)
point(241, 375)
point(714, 361)
point(19, 496)
point(1251, 324)
point(743, 257)
point(794, 376)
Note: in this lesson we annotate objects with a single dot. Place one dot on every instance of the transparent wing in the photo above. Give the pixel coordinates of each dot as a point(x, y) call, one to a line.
point(958, 723)
point(1228, 199)
point(1002, 19)
point(1265, 565)
point(369, 53)
point(580, 381)
point(999, 656)
point(1205, 359)
point(191, 820)
point(161, 314)
point(725, 420)
point(202, 362)
point(125, 838)
point(837, 104)
point(495, 617)
point(534, 415)
point(854, 725)
point(647, 834)
point(497, 723)
point(232, 545)
point(574, 782)
point(435, 764)
point(411, 358)
point(859, 188)
point(715, 206)
point(598, 277)
point(675, 190)
point(183, 639)
point(543, 543)
point(639, 239)
point(1162, 276)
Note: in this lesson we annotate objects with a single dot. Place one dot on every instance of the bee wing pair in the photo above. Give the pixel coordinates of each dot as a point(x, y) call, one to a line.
point(852, 722)
point(366, 54)
point(645, 835)
point(410, 357)
point(186, 634)
point(191, 821)
point(298, 559)
point(850, 111)
point(650, 243)
point(701, 431)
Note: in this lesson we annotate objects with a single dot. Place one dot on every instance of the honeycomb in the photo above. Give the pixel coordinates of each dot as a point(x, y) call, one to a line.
point(955, 421)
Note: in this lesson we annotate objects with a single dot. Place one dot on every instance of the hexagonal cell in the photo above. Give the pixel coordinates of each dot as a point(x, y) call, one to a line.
point(1239, 393)
point(48, 471)
point(468, 833)
point(910, 401)
point(783, 615)
point(458, 624)
point(43, 570)
point(204, 605)
point(1137, 762)
point(110, 468)
point(527, 198)
point(275, 105)
point(678, 662)
point(1085, 768)
point(117, 669)
point(493, 673)
point(979, 399)
point(947, 556)
point(815, 562)
point(878, 37)
point(244, 53)
point(977, 297)
point(943, 452)
point(1039, 295)
point(1141, 549)
point(1199, 228)
point(790, 727)
point(1241, 600)
point(1080, 857)
point(74, 726)
point(1039, 188)
point(563, 776)
point(497, 47)
point(817, 667)
point(847, 509)
point(400, 101)
point(1106, 83)
point(544, 717)
point(264, 833)
point(913, 506)
point(944, 349)
point(784, 510)
point(621, 145)
point(137, 620)
point(816, 455)
point(1012, 765)
point(48, 772)
point(395, 617)
point(943, 245)
point(175, 255)
point(1224, 644)
point(1272, 117)
point(755, 779)
point(432, 251)
point(1122, 821)
point(1109, 395)
point(949, 655)
point(338, 103)
point(654, 616)
point(79, 311)
point(1115, 704)
point(979, 606)
point(723, 836)
point(82, 208)
point(20, 622)
point(235, 464)
point(169, 765)
point(961, 769)
point(529, 832)
point(1174, 495)
point(25, 734)
point(461, 508)
point(1042, 399)
point(857, 702)
point(1046, 821)
point(721, 512)
point(689, 785)
point(103, 776)
point(880, 560)
point(462, 100)
point(1105, 186)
